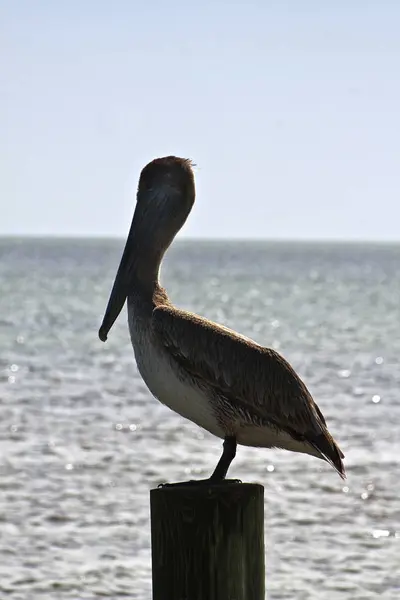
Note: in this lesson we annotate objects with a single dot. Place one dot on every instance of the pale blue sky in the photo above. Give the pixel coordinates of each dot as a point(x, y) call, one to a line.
point(290, 109)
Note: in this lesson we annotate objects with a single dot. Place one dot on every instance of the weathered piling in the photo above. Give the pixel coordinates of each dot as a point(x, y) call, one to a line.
point(208, 542)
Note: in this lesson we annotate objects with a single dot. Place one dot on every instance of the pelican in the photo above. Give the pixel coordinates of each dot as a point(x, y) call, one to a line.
point(217, 378)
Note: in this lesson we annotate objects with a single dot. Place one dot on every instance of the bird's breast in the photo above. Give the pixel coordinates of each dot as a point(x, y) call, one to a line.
point(169, 383)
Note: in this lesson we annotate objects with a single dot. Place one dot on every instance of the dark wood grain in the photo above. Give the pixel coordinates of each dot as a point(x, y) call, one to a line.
point(208, 542)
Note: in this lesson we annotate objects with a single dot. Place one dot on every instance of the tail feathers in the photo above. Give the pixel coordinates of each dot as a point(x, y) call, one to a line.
point(330, 451)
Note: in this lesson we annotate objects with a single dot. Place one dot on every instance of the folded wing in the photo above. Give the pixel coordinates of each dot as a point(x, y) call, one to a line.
point(238, 368)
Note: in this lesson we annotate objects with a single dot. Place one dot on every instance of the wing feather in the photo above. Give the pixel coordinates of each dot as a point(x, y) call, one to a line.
point(256, 379)
point(238, 368)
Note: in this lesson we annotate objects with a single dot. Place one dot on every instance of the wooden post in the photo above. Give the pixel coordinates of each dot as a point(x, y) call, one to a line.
point(208, 542)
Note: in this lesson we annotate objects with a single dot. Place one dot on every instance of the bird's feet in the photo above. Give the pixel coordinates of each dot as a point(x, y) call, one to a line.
point(200, 482)
point(219, 474)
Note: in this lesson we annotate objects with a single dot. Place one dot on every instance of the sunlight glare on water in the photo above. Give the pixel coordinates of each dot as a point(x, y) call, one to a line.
point(82, 441)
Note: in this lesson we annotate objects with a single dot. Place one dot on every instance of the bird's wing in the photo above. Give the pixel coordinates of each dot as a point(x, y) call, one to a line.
point(257, 378)
point(238, 368)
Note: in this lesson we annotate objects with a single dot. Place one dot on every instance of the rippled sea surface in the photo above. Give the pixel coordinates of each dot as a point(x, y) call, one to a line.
point(82, 441)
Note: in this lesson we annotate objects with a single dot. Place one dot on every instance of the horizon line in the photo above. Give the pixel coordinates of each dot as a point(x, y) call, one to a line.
point(202, 239)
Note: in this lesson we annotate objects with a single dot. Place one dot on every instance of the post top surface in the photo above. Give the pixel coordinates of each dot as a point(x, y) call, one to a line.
point(226, 488)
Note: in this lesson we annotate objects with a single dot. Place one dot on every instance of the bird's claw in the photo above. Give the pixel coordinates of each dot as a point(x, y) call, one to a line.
point(198, 482)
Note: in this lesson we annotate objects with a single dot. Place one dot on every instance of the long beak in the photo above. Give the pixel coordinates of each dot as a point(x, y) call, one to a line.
point(120, 288)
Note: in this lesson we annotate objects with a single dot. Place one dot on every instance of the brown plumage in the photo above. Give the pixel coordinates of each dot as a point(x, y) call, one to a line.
point(219, 379)
point(256, 379)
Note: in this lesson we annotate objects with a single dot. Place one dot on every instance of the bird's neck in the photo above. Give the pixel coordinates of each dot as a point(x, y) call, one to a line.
point(144, 284)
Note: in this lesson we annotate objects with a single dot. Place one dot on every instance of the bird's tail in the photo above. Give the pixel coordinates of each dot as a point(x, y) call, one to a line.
point(330, 451)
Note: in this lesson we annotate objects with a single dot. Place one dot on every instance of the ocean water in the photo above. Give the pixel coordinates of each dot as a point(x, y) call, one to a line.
point(82, 441)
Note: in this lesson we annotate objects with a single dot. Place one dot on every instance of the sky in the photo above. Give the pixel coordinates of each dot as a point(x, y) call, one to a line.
point(289, 109)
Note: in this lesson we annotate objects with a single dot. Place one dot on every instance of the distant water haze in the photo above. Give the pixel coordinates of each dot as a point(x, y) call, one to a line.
point(82, 441)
